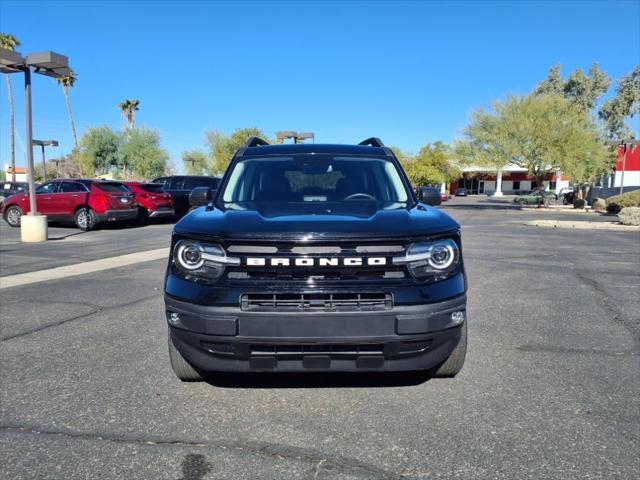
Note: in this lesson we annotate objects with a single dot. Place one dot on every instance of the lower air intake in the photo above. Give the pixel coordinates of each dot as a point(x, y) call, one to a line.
point(328, 302)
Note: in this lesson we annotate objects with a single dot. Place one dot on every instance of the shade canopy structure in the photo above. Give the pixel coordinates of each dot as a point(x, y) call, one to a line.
point(50, 64)
point(46, 143)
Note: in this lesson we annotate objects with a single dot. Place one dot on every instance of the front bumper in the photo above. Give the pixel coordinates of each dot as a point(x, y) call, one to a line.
point(161, 212)
point(412, 337)
point(114, 215)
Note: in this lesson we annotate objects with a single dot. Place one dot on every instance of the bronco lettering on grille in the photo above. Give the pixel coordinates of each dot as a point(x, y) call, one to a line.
point(312, 262)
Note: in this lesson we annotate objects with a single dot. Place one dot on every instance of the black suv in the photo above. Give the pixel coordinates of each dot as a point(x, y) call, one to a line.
point(315, 258)
point(180, 186)
point(11, 188)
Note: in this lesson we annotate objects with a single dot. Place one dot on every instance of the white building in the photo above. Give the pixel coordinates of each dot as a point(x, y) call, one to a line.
point(21, 173)
point(510, 180)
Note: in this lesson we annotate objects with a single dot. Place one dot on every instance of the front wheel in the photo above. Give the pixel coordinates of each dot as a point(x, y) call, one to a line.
point(86, 219)
point(522, 202)
point(13, 216)
point(452, 365)
point(180, 366)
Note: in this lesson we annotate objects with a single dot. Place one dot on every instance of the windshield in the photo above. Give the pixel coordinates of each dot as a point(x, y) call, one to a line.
point(112, 187)
point(317, 182)
point(152, 187)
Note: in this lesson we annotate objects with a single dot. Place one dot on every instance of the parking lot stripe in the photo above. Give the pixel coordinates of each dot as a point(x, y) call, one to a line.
point(82, 268)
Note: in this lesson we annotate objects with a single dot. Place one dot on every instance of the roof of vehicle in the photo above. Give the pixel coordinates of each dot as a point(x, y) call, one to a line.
point(187, 176)
point(85, 181)
point(291, 149)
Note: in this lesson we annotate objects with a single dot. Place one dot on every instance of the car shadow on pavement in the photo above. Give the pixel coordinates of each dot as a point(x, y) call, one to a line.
point(319, 379)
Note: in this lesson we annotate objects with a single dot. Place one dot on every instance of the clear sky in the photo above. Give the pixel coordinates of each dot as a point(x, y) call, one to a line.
point(408, 72)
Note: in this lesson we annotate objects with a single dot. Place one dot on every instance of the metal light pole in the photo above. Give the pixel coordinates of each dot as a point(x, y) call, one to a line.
point(57, 162)
point(33, 227)
point(295, 136)
point(45, 143)
point(33, 210)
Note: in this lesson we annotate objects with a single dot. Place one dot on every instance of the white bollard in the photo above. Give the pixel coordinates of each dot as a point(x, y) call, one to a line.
point(33, 228)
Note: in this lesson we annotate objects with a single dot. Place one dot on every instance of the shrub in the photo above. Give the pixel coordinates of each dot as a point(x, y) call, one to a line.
point(599, 205)
point(618, 202)
point(579, 203)
point(630, 216)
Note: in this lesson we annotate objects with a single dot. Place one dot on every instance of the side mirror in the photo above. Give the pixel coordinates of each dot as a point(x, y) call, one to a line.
point(200, 196)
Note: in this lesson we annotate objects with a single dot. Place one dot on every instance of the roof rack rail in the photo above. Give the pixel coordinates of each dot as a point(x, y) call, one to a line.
point(255, 142)
point(373, 142)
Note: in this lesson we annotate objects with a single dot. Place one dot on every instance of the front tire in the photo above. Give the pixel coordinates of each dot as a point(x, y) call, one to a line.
point(452, 365)
point(13, 216)
point(180, 366)
point(86, 219)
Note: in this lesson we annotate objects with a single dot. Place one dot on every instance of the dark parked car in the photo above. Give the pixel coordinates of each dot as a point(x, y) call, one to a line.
point(429, 195)
point(535, 197)
point(461, 192)
point(11, 188)
point(180, 186)
point(85, 202)
point(568, 197)
point(315, 257)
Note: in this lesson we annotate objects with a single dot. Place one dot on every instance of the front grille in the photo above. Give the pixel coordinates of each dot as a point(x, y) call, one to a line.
point(328, 302)
point(328, 273)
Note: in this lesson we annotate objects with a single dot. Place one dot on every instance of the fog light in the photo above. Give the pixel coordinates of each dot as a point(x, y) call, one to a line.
point(457, 317)
point(174, 318)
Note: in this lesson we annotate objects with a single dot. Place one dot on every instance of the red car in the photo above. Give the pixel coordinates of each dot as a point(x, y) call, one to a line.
point(444, 197)
point(85, 202)
point(152, 201)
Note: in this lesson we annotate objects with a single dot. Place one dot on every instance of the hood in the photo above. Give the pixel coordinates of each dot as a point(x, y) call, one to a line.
point(416, 221)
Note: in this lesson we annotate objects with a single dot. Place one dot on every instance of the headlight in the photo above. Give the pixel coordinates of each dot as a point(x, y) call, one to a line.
point(189, 255)
point(201, 260)
point(431, 259)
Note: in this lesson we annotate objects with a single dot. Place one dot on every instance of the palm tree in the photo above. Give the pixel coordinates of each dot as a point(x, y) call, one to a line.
point(129, 108)
point(10, 42)
point(67, 83)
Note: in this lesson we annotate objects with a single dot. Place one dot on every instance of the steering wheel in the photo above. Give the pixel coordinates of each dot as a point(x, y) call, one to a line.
point(353, 196)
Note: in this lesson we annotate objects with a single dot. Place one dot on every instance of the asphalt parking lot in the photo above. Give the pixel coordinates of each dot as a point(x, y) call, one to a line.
point(551, 387)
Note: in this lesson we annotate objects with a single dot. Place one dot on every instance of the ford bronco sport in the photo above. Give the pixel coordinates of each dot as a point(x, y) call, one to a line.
point(315, 258)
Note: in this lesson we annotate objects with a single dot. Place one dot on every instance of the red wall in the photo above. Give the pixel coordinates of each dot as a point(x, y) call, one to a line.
point(633, 159)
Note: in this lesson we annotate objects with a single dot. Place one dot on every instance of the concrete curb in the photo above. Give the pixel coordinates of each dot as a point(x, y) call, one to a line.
point(583, 225)
point(82, 268)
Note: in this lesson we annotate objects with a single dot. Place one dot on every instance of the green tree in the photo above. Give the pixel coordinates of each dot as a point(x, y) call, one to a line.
point(626, 103)
point(129, 109)
point(141, 153)
point(553, 84)
point(431, 166)
point(67, 83)
point(98, 151)
point(10, 42)
point(223, 146)
point(195, 162)
point(541, 133)
point(579, 89)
